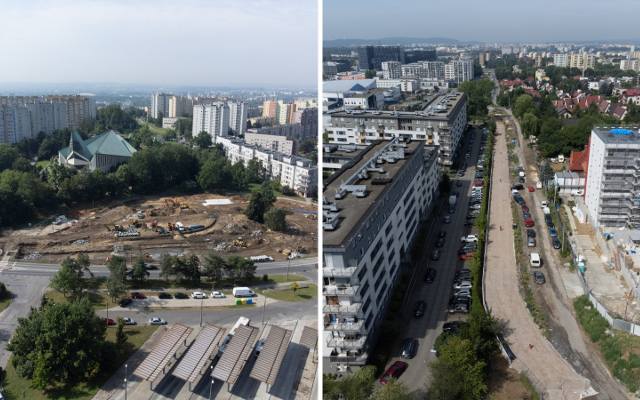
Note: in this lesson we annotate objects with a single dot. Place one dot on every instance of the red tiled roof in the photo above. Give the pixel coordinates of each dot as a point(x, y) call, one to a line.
point(579, 160)
point(631, 92)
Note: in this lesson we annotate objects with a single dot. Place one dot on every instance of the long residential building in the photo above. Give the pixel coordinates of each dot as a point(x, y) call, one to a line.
point(459, 71)
point(574, 60)
point(442, 123)
point(23, 117)
point(168, 105)
point(297, 173)
point(372, 209)
point(612, 190)
point(276, 143)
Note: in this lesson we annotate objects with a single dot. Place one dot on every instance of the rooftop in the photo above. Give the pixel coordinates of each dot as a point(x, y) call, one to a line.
point(352, 209)
point(618, 134)
point(360, 85)
point(440, 108)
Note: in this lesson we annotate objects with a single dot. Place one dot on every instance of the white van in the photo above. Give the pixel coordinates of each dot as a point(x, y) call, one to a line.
point(534, 260)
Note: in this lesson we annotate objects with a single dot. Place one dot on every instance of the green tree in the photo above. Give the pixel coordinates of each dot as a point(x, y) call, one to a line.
point(522, 105)
point(8, 155)
point(260, 201)
point(370, 73)
point(70, 279)
point(203, 140)
point(457, 373)
point(114, 117)
point(121, 337)
point(117, 266)
point(530, 124)
point(214, 266)
point(254, 172)
point(168, 266)
point(240, 268)
point(59, 345)
point(393, 390)
point(355, 386)
point(214, 175)
point(115, 288)
point(139, 272)
point(276, 219)
point(294, 287)
point(4, 292)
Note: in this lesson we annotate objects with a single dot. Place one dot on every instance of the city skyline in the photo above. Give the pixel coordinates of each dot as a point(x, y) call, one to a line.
point(108, 41)
point(481, 21)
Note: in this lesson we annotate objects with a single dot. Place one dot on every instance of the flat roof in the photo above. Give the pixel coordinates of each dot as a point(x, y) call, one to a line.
point(199, 354)
point(162, 353)
point(270, 359)
point(440, 108)
point(618, 134)
point(236, 354)
point(353, 209)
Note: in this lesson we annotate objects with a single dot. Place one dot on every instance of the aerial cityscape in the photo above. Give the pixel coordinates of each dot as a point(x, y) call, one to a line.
point(480, 201)
point(159, 221)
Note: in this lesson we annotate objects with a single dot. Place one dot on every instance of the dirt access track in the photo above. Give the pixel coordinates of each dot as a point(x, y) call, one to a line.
point(535, 355)
point(225, 229)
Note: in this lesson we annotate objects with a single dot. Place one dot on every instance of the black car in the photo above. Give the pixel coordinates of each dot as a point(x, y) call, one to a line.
point(517, 186)
point(531, 233)
point(538, 277)
point(436, 255)
point(440, 242)
point(430, 275)
point(125, 302)
point(409, 348)
point(419, 309)
point(556, 243)
point(442, 234)
point(453, 326)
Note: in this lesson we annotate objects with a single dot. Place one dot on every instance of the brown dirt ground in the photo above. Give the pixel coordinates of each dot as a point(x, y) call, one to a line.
point(224, 225)
point(505, 383)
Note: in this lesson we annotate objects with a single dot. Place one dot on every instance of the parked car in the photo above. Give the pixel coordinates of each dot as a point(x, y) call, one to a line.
point(453, 326)
point(129, 321)
point(440, 242)
point(393, 372)
point(531, 233)
point(157, 321)
point(409, 348)
point(447, 219)
point(180, 296)
point(109, 321)
point(538, 277)
point(556, 243)
point(216, 294)
point(198, 295)
point(138, 296)
point(165, 295)
point(531, 189)
point(531, 242)
point(517, 186)
point(435, 256)
point(525, 208)
point(125, 302)
point(463, 285)
point(544, 204)
point(553, 232)
point(419, 309)
point(529, 223)
point(466, 256)
point(469, 238)
point(430, 275)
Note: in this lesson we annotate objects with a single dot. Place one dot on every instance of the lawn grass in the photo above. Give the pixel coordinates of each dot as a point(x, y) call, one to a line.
point(18, 388)
point(98, 300)
point(283, 278)
point(4, 304)
point(301, 294)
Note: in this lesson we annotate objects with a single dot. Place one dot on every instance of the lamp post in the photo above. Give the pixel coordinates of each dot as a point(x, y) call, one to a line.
point(126, 374)
point(211, 385)
point(201, 300)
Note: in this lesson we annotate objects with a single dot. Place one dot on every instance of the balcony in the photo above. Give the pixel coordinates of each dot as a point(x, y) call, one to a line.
point(340, 273)
point(347, 359)
point(353, 308)
point(347, 343)
point(345, 326)
point(340, 290)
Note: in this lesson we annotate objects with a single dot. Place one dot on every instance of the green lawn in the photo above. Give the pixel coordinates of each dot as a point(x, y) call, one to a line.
point(4, 304)
point(283, 278)
point(18, 388)
point(157, 130)
point(98, 300)
point(301, 294)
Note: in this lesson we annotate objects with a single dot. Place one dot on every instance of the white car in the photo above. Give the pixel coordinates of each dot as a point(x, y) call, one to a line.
point(463, 285)
point(469, 238)
point(259, 346)
point(157, 321)
point(198, 295)
point(129, 321)
point(544, 204)
point(216, 294)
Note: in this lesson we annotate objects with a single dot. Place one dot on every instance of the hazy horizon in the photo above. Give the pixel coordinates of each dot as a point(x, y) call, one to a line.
point(199, 43)
point(501, 21)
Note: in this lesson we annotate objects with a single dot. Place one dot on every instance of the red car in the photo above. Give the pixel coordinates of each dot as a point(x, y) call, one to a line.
point(529, 223)
point(109, 321)
point(393, 372)
point(531, 189)
point(138, 295)
point(525, 209)
point(466, 256)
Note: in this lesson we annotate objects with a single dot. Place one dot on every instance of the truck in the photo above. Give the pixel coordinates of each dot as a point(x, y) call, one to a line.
point(243, 291)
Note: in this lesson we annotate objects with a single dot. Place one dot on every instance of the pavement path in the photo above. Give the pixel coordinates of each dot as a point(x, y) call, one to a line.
point(535, 355)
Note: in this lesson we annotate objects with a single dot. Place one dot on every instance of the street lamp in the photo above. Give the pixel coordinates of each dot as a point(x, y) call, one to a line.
point(126, 373)
point(211, 385)
point(201, 300)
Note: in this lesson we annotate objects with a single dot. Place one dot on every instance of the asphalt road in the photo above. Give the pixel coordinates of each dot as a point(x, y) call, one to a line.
point(436, 295)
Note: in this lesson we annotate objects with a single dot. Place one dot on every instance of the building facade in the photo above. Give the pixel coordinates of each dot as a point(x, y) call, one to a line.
point(372, 209)
point(459, 71)
point(102, 152)
point(212, 118)
point(238, 117)
point(276, 143)
point(441, 123)
point(371, 57)
point(391, 69)
point(612, 190)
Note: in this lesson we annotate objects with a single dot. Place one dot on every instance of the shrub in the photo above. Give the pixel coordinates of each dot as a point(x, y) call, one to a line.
point(265, 278)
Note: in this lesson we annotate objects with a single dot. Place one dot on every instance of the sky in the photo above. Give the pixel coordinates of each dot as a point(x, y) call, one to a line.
point(490, 21)
point(245, 43)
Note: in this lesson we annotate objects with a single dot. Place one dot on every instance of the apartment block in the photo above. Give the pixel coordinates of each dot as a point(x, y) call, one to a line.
point(372, 207)
point(238, 117)
point(270, 109)
point(612, 190)
point(391, 69)
point(212, 118)
point(441, 123)
point(297, 173)
point(371, 57)
point(459, 71)
point(276, 143)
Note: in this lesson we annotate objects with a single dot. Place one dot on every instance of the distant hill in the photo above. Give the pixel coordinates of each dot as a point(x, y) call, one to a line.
point(390, 41)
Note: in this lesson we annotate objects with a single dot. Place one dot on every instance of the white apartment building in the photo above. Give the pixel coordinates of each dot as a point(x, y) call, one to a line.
point(459, 71)
point(612, 190)
point(574, 60)
point(285, 112)
point(297, 173)
point(561, 60)
point(276, 143)
point(212, 118)
point(391, 69)
point(632, 64)
point(237, 117)
point(170, 106)
point(160, 105)
point(441, 123)
point(15, 124)
point(372, 209)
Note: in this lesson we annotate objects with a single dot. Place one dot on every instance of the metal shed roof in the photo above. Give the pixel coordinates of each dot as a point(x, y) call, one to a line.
point(199, 353)
point(270, 359)
point(162, 353)
point(236, 354)
point(309, 337)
